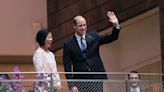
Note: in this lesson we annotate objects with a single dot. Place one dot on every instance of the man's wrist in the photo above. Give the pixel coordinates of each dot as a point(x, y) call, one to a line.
point(116, 25)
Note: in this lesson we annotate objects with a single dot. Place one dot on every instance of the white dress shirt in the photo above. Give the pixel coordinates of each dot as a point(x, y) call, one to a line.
point(137, 89)
point(79, 40)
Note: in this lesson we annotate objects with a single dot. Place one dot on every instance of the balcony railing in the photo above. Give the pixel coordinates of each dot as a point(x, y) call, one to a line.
point(116, 82)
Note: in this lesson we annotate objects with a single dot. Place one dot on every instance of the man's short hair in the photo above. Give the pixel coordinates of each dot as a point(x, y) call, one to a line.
point(135, 72)
point(75, 19)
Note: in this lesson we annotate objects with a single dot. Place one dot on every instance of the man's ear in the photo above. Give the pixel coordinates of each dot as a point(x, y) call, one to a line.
point(73, 26)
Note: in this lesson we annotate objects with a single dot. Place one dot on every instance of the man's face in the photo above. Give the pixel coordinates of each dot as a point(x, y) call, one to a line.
point(81, 26)
point(134, 78)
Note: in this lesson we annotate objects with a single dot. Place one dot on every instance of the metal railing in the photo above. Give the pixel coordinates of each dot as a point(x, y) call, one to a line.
point(116, 82)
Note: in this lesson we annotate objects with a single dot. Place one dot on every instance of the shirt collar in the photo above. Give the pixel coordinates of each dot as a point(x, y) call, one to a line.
point(42, 50)
point(138, 89)
point(79, 37)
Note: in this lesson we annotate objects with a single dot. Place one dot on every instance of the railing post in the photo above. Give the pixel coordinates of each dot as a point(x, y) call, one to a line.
point(126, 83)
point(51, 82)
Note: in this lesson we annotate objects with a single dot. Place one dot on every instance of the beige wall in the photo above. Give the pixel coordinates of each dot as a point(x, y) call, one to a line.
point(18, 25)
point(140, 41)
point(138, 44)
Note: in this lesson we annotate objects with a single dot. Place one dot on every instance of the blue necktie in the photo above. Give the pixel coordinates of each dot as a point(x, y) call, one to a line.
point(83, 47)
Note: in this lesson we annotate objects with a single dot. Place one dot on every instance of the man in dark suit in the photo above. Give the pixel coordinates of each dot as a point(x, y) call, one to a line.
point(82, 52)
point(134, 78)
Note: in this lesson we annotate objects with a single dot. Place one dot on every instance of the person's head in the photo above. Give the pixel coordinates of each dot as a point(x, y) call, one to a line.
point(74, 89)
point(4, 76)
point(80, 25)
point(134, 77)
point(44, 38)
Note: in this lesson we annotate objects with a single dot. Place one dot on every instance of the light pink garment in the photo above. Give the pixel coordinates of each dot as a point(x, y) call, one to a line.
point(44, 62)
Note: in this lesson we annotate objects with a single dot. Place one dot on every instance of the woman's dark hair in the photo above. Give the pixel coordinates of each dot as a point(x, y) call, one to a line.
point(41, 36)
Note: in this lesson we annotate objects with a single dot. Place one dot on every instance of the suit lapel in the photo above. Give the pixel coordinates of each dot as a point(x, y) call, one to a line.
point(76, 45)
point(88, 39)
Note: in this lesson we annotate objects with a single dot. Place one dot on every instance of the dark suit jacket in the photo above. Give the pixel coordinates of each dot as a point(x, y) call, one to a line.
point(92, 62)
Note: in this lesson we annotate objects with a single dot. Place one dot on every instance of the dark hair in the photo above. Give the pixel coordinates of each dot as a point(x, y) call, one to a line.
point(41, 36)
point(4, 76)
point(133, 72)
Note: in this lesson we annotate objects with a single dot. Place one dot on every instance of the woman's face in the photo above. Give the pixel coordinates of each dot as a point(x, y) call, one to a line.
point(48, 41)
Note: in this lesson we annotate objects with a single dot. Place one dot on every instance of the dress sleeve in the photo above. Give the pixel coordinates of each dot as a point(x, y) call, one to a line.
point(38, 62)
point(55, 71)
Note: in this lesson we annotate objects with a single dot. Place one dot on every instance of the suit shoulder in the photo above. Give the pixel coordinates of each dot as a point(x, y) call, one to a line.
point(93, 34)
point(69, 40)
